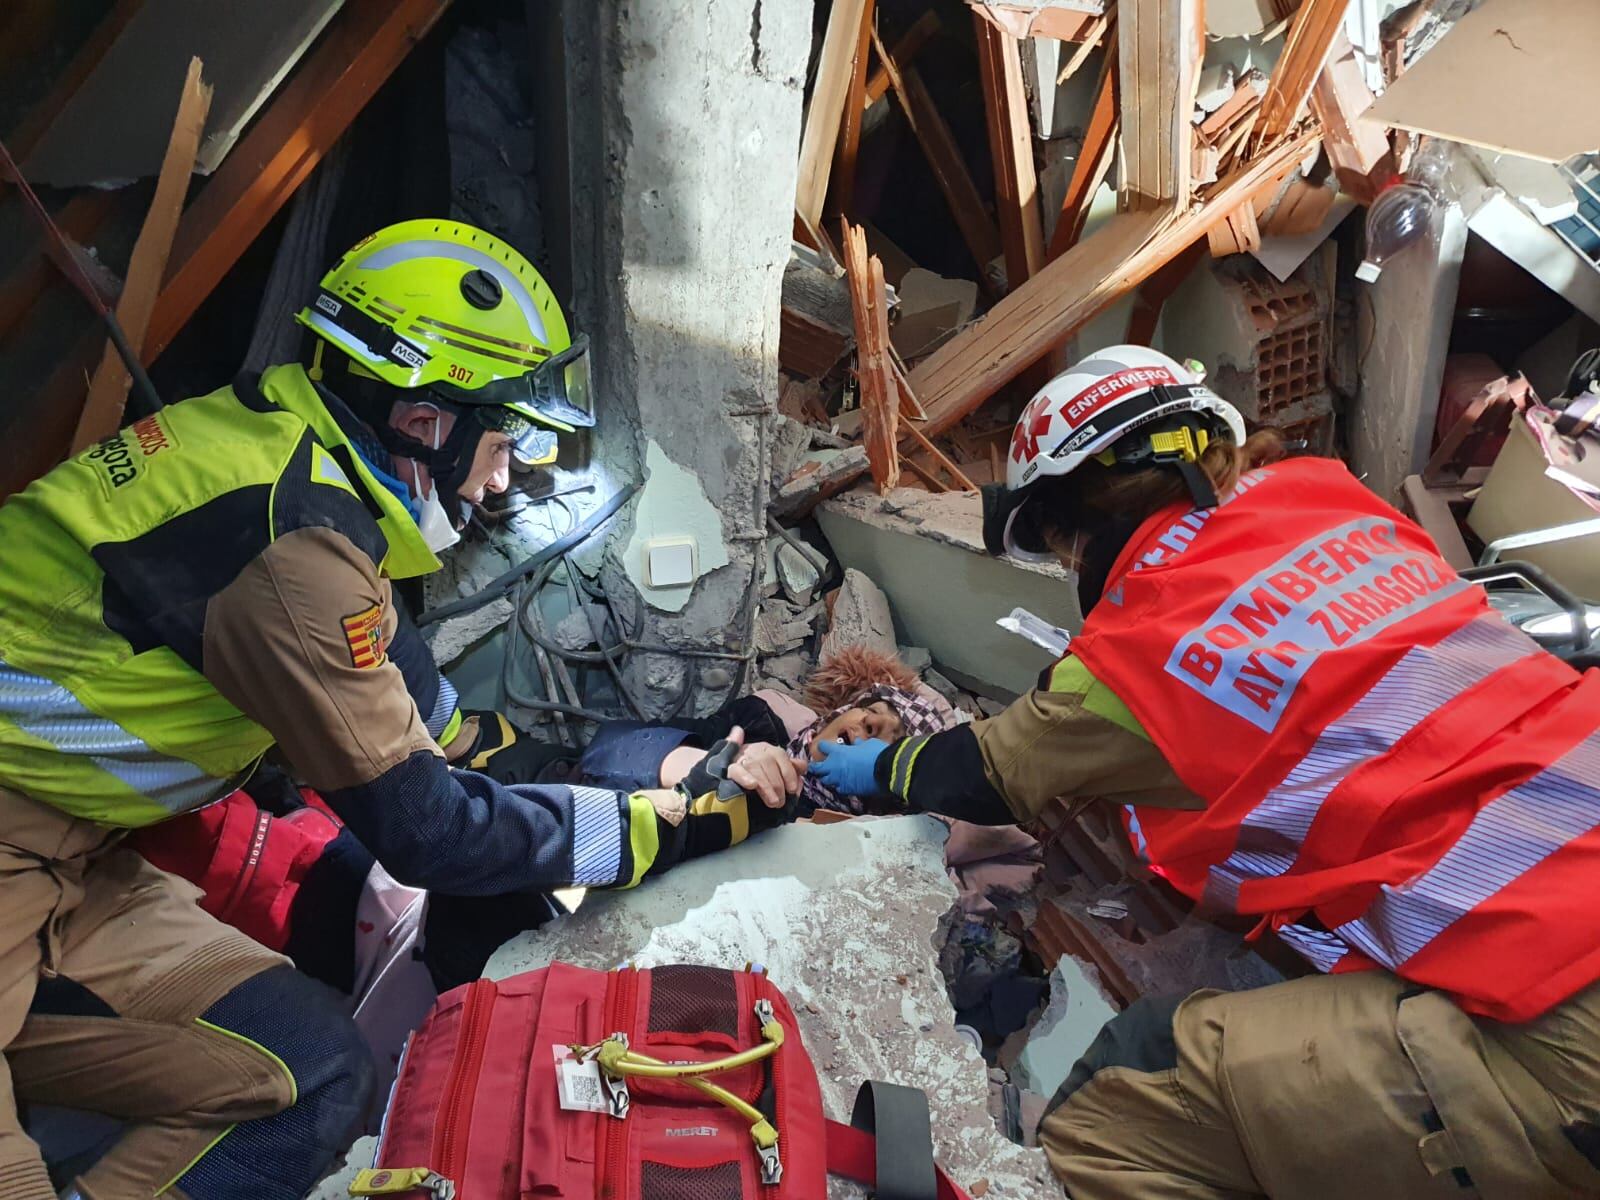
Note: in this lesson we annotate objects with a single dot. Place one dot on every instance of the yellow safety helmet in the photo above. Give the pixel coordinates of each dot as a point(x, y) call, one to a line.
point(443, 306)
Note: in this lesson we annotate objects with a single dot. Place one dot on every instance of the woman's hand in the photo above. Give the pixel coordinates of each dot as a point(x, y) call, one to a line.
point(766, 770)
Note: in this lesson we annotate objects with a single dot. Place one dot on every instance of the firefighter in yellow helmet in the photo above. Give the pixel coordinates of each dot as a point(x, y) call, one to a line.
point(213, 583)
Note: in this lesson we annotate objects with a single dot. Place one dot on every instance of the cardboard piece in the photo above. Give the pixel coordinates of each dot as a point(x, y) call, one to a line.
point(1513, 75)
point(1541, 480)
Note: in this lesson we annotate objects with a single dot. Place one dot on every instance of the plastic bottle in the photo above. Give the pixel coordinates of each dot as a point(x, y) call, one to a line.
point(1404, 212)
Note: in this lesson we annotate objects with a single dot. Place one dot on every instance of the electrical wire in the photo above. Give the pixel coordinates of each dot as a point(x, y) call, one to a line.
point(507, 582)
point(597, 630)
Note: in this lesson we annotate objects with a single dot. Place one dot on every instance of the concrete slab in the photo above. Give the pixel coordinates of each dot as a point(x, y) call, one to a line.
point(843, 917)
point(926, 552)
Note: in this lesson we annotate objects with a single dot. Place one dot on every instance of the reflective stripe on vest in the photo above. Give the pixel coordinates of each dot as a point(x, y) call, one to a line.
point(47, 711)
point(1508, 838)
point(1394, 775)
point(1411, 690)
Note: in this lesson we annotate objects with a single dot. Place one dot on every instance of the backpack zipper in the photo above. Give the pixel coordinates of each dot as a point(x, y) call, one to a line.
point(460, 1092)
point(621, 1000)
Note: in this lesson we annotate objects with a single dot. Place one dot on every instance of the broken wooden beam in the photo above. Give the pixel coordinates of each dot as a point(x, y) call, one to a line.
point(905, 51)
point(359, 50)
point(108, 390)
point(879, 395)
point(841, 191)
point(829, 93)
point(958, 377)
point(1102, 26)
point(1094, 162)
point(1016, 185)
point(1246, 98)
point(1159, 47)
point(940, 458)
point(1311, 35)
point(944, 156)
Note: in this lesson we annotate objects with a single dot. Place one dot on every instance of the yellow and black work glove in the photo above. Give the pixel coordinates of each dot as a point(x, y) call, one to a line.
point(503, 754)
point(716, 812)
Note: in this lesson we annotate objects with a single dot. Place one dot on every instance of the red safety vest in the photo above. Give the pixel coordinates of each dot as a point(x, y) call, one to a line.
point(1376, 747)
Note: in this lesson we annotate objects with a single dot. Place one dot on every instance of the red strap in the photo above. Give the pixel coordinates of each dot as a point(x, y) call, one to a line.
point(853, 1154)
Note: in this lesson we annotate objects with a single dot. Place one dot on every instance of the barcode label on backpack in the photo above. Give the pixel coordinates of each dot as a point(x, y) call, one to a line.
point(579, 1083)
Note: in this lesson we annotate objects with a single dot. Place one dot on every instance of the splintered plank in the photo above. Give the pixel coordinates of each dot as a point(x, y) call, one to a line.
point(1016, 185)
point(828, 97)
point(1159, 42)
point(1237, 233)
point(944, 156)
point(1357, 149)
point(958, 377)
point(108, 391)
point(1311, 36)
point(880, 400)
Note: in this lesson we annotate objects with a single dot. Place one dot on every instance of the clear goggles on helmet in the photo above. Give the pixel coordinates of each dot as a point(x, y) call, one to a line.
point(557, 390)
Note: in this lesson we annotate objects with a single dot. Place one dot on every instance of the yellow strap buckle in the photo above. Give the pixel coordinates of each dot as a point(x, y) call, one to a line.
point(1186, 444)
point(395, 1181)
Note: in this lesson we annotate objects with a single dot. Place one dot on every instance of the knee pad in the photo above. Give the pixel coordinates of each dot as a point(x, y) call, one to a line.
point(299, 1023)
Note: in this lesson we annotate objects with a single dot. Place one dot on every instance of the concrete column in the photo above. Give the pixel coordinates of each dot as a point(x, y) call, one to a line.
point(684, 126)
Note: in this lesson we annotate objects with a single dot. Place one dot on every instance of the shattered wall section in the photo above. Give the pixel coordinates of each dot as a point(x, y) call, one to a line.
point(684, 123)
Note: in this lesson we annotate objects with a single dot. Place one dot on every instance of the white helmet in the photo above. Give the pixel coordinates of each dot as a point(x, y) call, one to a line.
point(1089, 411)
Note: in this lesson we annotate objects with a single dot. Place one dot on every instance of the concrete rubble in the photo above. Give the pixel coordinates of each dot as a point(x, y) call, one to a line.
point(860, 617)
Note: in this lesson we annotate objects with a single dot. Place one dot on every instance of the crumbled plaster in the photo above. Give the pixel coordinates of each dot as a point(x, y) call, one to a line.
point(672, 504)
point(842, 916)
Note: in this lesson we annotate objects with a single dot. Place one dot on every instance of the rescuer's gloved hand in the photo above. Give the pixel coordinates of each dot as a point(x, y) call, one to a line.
point(503, 754)
point(850, 768)
point(708, 811)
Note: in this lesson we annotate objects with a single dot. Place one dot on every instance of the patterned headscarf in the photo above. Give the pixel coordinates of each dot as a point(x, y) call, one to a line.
point(918, 715)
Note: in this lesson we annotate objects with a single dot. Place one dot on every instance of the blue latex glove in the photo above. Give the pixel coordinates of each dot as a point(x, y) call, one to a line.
point(849, 768)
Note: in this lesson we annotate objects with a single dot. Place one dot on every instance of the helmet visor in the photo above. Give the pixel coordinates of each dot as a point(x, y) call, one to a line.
point(1012, 524)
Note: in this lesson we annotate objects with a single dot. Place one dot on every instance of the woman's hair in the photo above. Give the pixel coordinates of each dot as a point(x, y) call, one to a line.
point(1095, 490)
point(851, 671)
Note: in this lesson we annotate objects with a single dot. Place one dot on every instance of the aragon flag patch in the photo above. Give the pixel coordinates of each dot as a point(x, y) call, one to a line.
point(363, 631)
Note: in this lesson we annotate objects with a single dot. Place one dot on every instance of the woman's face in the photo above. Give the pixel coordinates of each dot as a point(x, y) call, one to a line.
point(876, 720)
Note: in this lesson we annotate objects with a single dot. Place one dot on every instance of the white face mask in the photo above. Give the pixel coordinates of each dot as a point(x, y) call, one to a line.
point(438, 530)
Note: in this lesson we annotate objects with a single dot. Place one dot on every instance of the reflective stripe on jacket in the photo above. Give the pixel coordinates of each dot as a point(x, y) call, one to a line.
point(1378, 750)
point(111, 559)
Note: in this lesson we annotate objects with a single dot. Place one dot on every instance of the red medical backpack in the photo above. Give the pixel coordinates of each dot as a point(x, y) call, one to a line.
point(682, 1083)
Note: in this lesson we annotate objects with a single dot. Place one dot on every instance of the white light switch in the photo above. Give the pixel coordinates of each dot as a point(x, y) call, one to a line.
point(669, 562)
